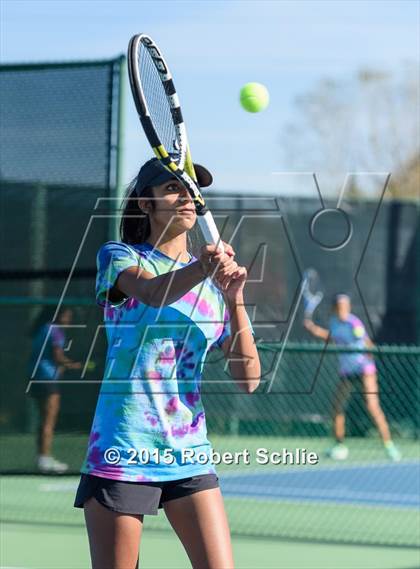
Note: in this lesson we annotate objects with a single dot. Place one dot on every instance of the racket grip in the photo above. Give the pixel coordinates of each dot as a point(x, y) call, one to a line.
point(209, 230)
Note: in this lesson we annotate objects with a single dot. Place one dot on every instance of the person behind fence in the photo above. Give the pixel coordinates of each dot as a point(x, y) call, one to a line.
point(347, 330)
point(47, 365)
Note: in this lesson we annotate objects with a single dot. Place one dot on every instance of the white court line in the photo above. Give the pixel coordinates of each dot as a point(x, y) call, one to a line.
point(58, 487)
point(334, 467)
point(339, 493)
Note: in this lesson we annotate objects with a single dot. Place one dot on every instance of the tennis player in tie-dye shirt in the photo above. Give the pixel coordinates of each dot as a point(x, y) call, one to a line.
point(164, 310)
point(347, 330)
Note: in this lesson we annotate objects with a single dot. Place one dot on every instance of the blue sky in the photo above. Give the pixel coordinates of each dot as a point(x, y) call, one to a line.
point(213, 49)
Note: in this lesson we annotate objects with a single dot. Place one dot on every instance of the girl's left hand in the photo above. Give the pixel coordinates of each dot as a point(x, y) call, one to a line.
point(232, 284)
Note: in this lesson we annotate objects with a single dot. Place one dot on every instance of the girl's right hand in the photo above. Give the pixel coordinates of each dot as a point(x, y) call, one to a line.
point(73, 365)
point(213, 261)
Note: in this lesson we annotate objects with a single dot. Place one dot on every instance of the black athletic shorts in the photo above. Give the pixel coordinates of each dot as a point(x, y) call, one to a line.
point(42, 390)
point(139, 497)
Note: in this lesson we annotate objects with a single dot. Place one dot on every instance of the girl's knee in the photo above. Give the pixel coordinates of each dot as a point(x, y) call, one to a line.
point(374, 407)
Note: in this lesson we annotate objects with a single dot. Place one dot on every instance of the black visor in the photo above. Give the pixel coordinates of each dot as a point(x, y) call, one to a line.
point(153, 173)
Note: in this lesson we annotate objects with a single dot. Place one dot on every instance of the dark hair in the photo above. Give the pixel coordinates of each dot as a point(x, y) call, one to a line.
point(44, 316)
point(135, 224)
point(336, 297)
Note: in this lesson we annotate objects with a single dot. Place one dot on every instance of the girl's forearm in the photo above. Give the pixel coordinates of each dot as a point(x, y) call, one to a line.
point(316, 330)
point(170, 287)
point(244, 362)
point(60, 357)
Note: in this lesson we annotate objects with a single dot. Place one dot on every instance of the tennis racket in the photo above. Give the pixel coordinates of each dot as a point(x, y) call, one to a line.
point(159, 110)
point(312, 292)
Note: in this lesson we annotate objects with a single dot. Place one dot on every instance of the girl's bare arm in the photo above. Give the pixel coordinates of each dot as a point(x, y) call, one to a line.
point(316, 330)
point(240, 349)
point(157, 290)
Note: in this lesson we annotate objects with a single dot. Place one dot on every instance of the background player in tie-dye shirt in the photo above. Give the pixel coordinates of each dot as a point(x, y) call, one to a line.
point(47, 363)
point(164, 309)
point(346, 330)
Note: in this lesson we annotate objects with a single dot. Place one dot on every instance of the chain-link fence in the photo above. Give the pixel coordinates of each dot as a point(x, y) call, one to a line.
point(60, 135)
point(365, 499)
point(60, 140)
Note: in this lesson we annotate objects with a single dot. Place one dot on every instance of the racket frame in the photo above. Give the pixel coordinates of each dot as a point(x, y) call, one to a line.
point(311, 300)
point(183, 170)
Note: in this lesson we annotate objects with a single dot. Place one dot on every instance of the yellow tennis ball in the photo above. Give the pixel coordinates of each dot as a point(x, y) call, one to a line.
point(254, 97)
point(359, 331)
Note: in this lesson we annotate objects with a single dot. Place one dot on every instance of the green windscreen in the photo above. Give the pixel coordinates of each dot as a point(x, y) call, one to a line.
point(60, 149)
point(59, 180)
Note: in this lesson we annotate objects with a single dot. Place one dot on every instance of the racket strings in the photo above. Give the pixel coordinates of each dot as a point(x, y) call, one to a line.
point(158, 104)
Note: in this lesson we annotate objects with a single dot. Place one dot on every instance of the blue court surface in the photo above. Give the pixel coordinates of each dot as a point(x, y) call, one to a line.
point(392, 485)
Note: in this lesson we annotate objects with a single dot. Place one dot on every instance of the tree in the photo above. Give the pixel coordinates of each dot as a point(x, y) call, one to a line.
point(366, 123)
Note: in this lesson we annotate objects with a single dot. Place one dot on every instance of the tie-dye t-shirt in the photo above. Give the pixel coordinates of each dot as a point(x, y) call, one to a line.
point(351, 333)
point(149, 408)
point(47, 337)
